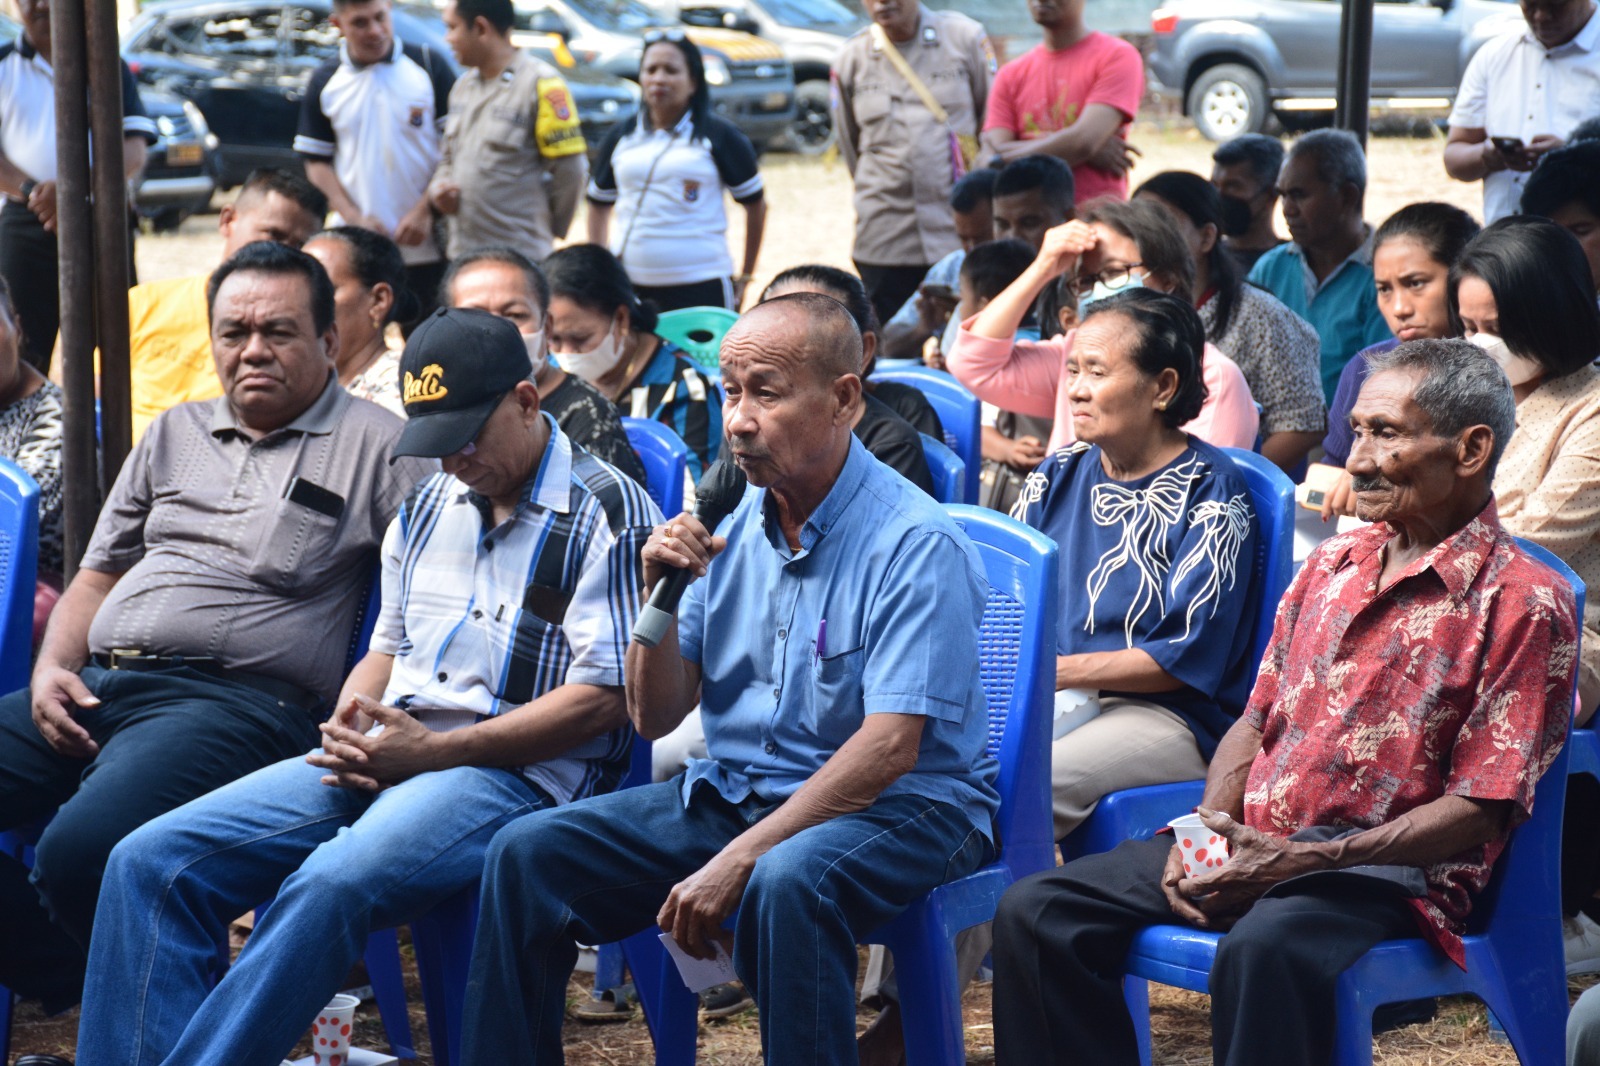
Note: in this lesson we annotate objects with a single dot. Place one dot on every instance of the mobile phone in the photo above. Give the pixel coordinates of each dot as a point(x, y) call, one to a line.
point(1508, 145)
point(314, 496)
point(1320, 480)
point(939, 292)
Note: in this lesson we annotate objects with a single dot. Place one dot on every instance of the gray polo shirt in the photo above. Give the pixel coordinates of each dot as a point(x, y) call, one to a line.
point(216, 560)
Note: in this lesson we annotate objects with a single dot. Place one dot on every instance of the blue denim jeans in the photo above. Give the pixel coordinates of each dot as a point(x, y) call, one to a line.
point(808, 902)
point(347, 862)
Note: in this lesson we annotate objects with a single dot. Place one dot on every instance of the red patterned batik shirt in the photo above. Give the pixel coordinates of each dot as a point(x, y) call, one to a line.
point(1456, 680)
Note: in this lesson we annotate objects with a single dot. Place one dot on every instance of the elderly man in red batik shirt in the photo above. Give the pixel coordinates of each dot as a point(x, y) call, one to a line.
point(1417, 685)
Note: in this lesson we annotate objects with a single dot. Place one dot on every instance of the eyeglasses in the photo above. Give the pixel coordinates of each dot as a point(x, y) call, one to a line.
point(676, 36)
point(1114, 277)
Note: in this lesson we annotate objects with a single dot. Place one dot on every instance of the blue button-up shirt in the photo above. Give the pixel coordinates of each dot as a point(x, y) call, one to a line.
point(877, 612)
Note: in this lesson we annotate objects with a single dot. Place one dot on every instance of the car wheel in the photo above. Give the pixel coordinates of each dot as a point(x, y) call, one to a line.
point(1228, 100)
point(167, 219)
point(812, 132)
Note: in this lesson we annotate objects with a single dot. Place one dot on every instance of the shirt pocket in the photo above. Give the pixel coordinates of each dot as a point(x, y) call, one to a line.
point(294, 537)
point(834, 711)
point(505, 139)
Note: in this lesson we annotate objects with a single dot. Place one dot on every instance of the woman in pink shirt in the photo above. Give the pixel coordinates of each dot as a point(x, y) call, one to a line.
point(1114, 247)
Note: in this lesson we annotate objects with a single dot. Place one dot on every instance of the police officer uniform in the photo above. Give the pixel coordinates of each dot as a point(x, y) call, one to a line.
point(899, 153)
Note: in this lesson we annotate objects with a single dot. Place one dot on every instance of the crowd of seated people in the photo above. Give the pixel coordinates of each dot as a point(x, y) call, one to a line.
point(194, 743)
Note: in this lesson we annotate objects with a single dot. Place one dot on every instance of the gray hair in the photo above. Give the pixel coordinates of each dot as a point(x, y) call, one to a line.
point(1338, 155)
point(1462, 386)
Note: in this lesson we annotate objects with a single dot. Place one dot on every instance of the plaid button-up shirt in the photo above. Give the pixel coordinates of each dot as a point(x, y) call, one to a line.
point(484, 620)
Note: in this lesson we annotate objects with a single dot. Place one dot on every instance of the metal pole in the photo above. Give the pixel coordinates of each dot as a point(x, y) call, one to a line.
point(75, 251)
point(111, 244)
point(1355, 68)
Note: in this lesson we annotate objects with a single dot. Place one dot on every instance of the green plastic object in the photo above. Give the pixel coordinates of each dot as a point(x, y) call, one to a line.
point(698, 331)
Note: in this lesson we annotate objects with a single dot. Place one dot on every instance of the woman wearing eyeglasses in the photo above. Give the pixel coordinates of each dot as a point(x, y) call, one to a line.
point(1113, 247)
point(665, 174)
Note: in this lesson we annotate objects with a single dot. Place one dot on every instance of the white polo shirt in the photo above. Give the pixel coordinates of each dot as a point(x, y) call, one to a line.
point(671, 226)
point(1515, 87)
point(28, 110)
point(379, 125)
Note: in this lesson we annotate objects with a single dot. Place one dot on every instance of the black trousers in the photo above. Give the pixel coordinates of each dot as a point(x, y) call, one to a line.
point(1060, 939)
point(1580, 847)
point(713, 292)
point(28, 263)
point(165, 737)
point(890, 286)
point(423, 280)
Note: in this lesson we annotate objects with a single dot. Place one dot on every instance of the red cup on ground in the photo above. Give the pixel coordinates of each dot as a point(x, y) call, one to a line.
point(1203, 850)
point(330, 1031)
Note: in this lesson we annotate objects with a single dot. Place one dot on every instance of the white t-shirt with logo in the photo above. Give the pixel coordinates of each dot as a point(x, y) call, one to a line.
point(671, 226)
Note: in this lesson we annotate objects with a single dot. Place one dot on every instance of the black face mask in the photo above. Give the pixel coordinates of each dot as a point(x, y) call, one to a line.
point(1235, 216)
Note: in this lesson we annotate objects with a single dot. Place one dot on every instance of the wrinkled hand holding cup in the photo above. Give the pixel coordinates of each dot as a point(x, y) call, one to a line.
point(1203, 850)
point(330, 1032)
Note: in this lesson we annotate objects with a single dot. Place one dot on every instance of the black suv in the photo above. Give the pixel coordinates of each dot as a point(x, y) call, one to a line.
point(245, 64)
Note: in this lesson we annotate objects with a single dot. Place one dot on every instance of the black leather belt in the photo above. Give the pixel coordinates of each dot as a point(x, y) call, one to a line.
point(122, 659)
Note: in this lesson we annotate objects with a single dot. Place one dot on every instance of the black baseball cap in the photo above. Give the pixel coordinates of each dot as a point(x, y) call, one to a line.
point(457, 366)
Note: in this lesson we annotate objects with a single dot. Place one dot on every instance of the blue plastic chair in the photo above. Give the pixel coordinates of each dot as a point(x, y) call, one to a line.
point(948, 471)
point(698, 331)
point(958, 412)
point(1513, 948)
point(19, 569)
point(1139, 813)
point(665, 458)
point(1017, 666)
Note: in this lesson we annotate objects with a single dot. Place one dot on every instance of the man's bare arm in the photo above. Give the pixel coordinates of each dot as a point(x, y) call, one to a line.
point(56, 688)
point(883, 749)
point(320, 173)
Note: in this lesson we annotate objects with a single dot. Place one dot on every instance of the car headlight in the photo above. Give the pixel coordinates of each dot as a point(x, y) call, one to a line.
point(165, 126)
point(717, 71)
point(197, 120)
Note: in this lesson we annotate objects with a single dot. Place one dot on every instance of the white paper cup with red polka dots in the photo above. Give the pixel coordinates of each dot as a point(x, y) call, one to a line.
point(330, 1031)
point(1203, 850)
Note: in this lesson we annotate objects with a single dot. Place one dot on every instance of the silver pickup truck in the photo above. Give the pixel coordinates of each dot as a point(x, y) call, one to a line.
point(1235, 63)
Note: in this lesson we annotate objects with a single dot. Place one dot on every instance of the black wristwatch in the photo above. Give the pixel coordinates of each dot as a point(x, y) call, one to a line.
point(28, 185)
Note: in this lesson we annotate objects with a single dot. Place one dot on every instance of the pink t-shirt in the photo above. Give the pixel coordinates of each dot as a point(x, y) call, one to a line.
point(1044, 91)
point(1026, 377)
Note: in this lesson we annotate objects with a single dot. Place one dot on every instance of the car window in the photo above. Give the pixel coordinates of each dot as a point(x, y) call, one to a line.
point(242, 37)
point(805, 13)
point(618, 16)
point(312, 38)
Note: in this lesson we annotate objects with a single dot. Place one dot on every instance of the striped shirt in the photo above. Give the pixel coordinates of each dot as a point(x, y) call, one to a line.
point(676, 393)
point(484, 620)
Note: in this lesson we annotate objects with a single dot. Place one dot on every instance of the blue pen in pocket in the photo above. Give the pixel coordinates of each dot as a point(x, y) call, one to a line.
point(822, 641)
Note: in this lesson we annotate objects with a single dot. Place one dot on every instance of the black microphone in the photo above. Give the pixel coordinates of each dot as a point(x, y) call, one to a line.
point(719, 492)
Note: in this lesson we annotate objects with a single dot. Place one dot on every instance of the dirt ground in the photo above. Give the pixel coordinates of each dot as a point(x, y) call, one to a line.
point(810, 219)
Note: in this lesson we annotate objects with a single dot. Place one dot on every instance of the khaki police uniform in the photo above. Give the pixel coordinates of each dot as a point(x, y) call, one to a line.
point(897, 152)
point(515, 147)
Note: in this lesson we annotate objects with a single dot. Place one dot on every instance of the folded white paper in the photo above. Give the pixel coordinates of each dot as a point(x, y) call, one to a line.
point(700, 974)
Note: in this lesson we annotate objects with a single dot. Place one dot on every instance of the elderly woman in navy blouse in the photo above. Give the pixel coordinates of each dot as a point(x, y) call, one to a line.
point(1157, 537)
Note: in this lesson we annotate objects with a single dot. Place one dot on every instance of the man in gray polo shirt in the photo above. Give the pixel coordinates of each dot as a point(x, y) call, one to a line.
point(205, 634)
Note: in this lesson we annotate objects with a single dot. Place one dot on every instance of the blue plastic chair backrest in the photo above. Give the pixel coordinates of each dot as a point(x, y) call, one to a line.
point(19, 571)
point(948, 471)
point(959, 412)
point(1529, 872)
point(366, 620)
point(1016, 663)
point(698, 331)
point(665, 458)
point(1272, 495)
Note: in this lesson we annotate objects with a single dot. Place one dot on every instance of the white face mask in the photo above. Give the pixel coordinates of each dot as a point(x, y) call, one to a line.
point(538, 356)
point(1519, 368)
point(592, 365)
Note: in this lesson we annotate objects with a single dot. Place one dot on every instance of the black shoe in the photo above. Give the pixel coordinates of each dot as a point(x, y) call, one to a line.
point(43, 1060)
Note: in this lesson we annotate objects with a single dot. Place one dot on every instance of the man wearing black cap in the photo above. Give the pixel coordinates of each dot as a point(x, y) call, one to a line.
point(493, 688)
